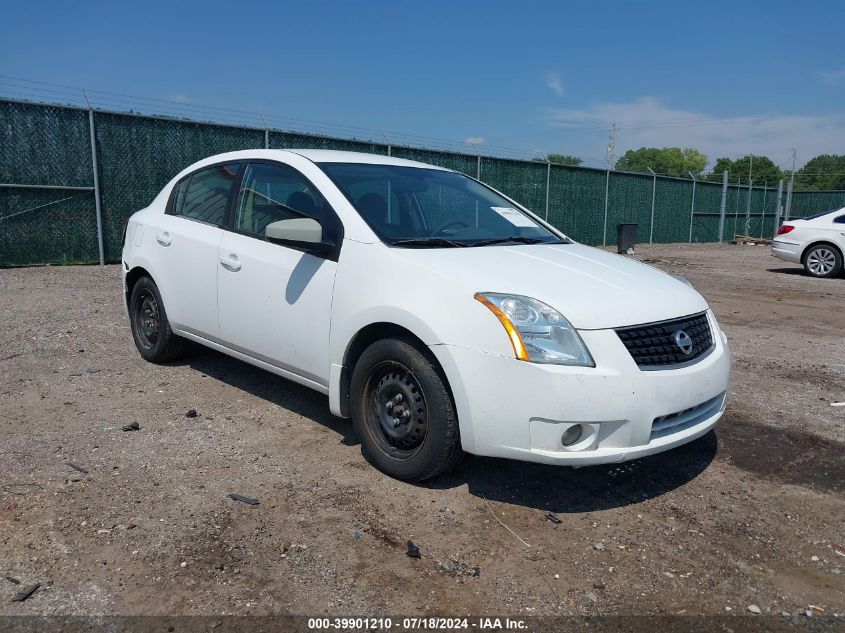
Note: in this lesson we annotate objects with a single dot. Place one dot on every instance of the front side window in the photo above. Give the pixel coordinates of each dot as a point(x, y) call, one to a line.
point(412, 206)
point(273, 192)
point(204, 194)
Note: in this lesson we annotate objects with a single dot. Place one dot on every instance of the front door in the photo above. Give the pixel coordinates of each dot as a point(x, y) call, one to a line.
point(275, 301)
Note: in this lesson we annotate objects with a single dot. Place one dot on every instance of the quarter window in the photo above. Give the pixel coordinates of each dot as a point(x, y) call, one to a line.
point(204, 194)
point(270, 193)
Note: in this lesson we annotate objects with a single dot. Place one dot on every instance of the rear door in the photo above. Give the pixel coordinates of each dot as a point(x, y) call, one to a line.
point(275, 301)
point(186, 243)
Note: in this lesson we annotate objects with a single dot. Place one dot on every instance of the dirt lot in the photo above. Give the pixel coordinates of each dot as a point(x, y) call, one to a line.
point(753, 514)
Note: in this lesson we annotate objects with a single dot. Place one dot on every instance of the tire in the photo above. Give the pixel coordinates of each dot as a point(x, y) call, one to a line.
point(151, 330)
point(415, 442)
point(823, 260)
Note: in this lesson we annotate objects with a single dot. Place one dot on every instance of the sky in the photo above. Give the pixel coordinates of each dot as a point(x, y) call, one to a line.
point(726, 78)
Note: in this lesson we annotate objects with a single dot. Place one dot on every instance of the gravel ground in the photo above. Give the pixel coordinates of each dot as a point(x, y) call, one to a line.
point(752, 514)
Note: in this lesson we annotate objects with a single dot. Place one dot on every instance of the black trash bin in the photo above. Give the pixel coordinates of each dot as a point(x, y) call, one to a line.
point(626, 237)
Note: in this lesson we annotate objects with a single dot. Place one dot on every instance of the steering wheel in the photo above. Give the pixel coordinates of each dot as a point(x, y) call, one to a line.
point(457, 224)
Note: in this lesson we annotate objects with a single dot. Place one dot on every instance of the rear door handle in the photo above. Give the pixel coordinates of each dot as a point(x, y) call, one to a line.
point(163, 238)
point(230, 262)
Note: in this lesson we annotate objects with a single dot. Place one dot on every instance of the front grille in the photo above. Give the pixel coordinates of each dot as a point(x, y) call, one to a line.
point(654, 345)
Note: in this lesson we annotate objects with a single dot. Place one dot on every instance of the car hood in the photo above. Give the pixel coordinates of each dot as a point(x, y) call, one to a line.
point(592, 288)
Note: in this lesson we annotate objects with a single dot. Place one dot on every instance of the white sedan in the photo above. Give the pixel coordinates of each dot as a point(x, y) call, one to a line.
point(437, 313)
point(817, 242)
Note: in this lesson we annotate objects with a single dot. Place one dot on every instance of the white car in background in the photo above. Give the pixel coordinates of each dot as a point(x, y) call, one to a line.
point(816, 241)
point(437, 313)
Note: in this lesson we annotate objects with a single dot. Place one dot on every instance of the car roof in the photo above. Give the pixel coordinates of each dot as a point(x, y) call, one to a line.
point(317, 156)
point(336, 156)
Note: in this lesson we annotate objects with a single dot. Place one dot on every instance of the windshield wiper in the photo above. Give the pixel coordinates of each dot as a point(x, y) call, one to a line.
point(519, 239)
point(429, 241)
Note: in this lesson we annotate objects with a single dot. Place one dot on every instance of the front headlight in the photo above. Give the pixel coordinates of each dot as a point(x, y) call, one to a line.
point(538, 333)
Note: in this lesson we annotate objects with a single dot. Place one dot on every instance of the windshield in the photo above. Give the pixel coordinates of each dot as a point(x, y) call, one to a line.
point(416, 207)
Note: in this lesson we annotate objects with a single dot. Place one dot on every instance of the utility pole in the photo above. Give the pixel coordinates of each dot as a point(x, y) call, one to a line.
point(692, 205)
point(722, 205)
point(789, 189)
point(266, 133)
point(389, 194)
point(653, 192)
point(748, 202)
point(95, 171)
point(611, 160)
point(763, 211)
point(606, 202)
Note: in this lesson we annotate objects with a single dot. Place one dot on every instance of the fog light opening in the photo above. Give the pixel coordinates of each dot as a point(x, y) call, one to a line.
point(571, 435)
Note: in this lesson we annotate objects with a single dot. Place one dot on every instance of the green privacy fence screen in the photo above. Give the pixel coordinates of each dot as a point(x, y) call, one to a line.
point(48, 201)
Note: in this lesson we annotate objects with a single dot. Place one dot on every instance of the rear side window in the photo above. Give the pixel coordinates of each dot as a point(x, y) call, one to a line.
point(818, 215)
point(204, 194)
point(840, 220)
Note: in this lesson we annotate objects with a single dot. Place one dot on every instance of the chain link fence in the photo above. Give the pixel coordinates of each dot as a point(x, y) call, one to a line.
point(49, 194)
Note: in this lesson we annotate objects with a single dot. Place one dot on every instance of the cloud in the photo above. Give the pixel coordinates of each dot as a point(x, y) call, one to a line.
point(553, 82)
point(832, 76)
point(649, 122)
point(179, 98)
point(475, 140)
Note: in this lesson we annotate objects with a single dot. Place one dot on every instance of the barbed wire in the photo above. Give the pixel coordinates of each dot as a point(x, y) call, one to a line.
point(83, 97)
point(29, 89)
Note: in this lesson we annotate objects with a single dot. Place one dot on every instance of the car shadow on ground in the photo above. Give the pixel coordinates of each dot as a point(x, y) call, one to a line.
point(270, 387)
point(563, 490)
point(787, 271)
point(556, 489)
point(799, 272)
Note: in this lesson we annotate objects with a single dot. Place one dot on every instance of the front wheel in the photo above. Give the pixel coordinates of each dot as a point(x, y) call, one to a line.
point(823, 261)
point(403, 413)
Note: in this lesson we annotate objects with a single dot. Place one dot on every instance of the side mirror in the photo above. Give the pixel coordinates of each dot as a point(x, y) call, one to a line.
point(304, 233)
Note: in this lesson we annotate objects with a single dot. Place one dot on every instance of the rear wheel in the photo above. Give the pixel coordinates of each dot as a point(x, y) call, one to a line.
point(823, 260)
point(403, 413)
point(151, 330)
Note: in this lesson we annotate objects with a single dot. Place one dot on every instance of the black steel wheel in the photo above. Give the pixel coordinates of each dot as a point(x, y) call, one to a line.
point(151, 330)
point(397, 409)
point(147, 319)
point(402, 411)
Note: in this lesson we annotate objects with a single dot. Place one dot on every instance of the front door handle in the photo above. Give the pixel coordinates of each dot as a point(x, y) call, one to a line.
point(163, 238)
point(230, 262)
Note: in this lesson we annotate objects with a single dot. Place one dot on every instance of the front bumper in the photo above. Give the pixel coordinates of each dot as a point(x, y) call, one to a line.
point(787, 250)
point(510, 408)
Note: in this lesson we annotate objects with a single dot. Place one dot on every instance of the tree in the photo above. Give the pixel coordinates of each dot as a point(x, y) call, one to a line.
point(560, 159)
point(823, 173)
point(722, 165)
point(672, 161)
point(763, 170)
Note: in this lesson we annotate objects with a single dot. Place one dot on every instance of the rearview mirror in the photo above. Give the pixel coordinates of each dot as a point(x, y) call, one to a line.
point(304, 233)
